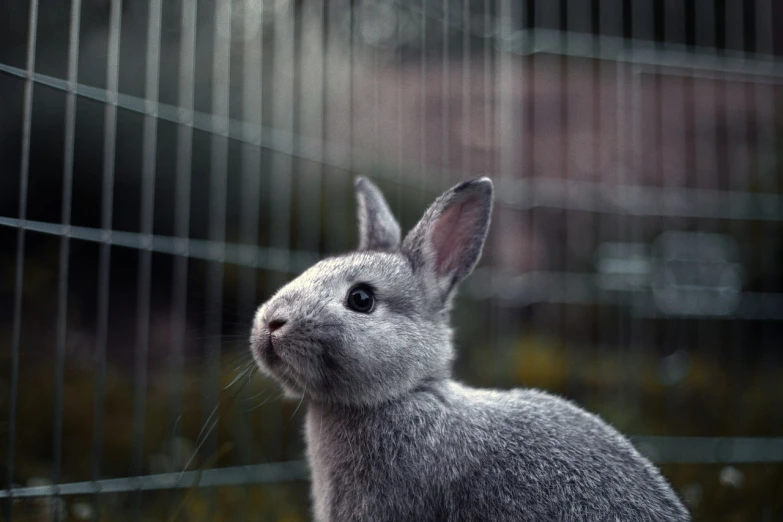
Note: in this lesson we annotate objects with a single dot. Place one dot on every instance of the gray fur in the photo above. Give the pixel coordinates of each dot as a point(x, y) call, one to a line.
point(392, 437)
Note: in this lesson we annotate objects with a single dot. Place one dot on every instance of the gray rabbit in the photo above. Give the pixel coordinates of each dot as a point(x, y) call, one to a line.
point(365, 339)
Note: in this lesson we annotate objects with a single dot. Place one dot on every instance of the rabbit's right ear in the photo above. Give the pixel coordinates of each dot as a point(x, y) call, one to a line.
point(378, 230)
point(446, 244)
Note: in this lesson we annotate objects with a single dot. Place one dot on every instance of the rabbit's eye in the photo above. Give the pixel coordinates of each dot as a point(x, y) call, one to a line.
point(361, 299)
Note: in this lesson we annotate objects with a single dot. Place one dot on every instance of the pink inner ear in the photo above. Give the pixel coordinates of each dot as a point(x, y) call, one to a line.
point(453, 234)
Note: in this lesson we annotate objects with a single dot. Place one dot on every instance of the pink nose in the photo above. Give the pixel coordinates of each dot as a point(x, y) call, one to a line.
point(276, 324)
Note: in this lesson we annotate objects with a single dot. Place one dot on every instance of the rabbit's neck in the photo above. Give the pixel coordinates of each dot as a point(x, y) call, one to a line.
point(350, 448)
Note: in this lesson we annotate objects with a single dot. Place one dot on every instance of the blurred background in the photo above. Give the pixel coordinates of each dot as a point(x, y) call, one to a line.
point(165, 165)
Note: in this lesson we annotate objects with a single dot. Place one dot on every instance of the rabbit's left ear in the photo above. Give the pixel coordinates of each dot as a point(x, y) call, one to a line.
point(378, 230)
point(446, 244)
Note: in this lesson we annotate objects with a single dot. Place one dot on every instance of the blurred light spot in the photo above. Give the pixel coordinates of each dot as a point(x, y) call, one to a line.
point(624, 258)
point(623, 266)
point(696, 274)
point(674, 368)
point(81, 511)
point(692, 494)
point(378, 23)
point(732, 477)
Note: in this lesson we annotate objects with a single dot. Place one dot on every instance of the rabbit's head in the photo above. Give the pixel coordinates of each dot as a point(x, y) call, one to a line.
point(371, 325)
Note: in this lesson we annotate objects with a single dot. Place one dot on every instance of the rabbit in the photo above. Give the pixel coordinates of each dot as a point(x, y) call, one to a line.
point(364, 338)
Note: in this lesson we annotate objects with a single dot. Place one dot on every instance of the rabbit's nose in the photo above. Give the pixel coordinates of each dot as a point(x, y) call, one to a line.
point(276, 324)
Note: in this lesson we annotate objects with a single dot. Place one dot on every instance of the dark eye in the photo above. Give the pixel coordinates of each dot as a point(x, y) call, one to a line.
point(361, 299)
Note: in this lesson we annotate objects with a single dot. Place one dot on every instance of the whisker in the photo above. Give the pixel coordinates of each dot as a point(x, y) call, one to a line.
point(259, 405)
point(300, 403)
point(199, 446)
point(210, 424)
point(257, 395)
point(206, 423)
point(249, 369)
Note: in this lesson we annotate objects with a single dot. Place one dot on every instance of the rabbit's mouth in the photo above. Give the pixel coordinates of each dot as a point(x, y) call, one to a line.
point(268, 357)
point(266, 353)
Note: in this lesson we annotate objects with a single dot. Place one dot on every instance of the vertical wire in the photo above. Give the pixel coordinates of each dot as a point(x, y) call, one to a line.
point(423, 107)
point(322, 131)
point(185, 100)
point(631, 342)
point(465, 123)
point(507, 140)
point(611, 22)
point(218, 180)
point(339, 115)
point(570, 317)
point(547, 14)
point(637, 342)
point(622, 165)
point(376, 67)
point(464, 119)
point(741, 181)
point(283, 120)
point(333, 109)
point(310, 123)
point(577, 231)
point(706, 146)
point(149, 143)
point(398, 50)
point(24, 173)
point(252, 110)
point(282, 165)
point(738, 179)
point(67, 200)
point(596, 169)
point(487, 70)
point(445, 101)
point(107, 199)
point(671, 122)
point(529, 261)
point(634, 340)
point(767, 162)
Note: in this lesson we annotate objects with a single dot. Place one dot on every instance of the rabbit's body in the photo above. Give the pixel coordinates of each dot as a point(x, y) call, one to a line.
point(365, 339)
point(446, 452)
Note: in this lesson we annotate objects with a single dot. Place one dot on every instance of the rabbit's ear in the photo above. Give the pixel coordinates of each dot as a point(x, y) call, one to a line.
point(378, 230)
point(446, 244)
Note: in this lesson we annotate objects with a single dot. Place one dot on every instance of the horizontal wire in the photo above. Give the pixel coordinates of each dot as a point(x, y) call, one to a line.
point(299, 146)
point(641, 52)
point(580, 44)
point(710, 450)
point(516, 289)
point(637, 200)
point(522, 194)
point(252, 256)
point(661, 450)
point(577, 288)
point(231, 476)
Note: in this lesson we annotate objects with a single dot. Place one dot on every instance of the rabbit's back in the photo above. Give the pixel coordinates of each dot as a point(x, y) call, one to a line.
point(454, 453)
point(536, 456)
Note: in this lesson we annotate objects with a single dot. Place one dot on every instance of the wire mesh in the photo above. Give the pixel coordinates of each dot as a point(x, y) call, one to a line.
point(203, 154)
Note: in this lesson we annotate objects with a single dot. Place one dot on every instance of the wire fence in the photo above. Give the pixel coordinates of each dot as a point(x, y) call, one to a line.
point(189, 157)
